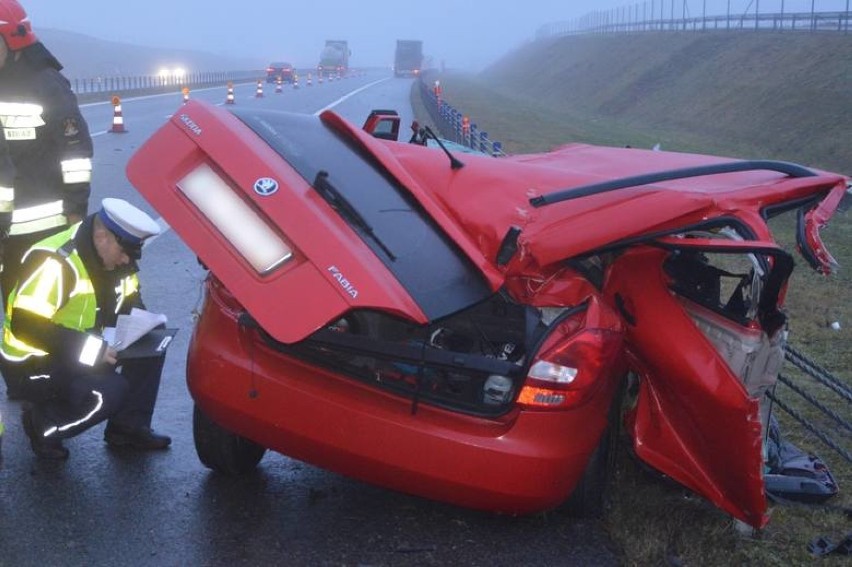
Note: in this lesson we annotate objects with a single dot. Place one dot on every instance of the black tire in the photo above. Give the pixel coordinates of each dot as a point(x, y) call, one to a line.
point(222, 451)
point(589, 498)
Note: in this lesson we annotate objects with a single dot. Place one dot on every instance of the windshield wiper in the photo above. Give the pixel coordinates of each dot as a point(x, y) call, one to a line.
point(344, 208)
point(455, 163)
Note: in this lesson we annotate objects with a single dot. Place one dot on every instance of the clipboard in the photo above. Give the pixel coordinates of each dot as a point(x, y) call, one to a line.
point(152, 344)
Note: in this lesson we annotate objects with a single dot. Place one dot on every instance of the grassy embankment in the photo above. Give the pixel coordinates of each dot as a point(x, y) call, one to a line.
point(755, 96)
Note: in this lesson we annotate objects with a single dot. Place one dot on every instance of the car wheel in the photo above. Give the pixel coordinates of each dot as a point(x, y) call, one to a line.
point(221, 450)
point(589, 497)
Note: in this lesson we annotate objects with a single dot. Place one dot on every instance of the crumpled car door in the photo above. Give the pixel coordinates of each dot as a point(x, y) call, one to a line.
point(694, 419)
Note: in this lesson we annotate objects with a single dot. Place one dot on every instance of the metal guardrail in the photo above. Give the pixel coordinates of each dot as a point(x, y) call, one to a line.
point(455, 125)
point(651, 16)
point(827, 380)
point(120, 84)
point(103, 87)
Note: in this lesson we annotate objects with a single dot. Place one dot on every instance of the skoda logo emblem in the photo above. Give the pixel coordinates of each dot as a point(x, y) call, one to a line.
point(265, 186)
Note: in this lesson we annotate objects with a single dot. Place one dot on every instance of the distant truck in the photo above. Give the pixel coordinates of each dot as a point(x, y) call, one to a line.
point(409, 57)
point(334, 58)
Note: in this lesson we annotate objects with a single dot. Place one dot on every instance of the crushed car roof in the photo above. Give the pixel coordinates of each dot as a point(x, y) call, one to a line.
point(377, 224)
point(489, 196)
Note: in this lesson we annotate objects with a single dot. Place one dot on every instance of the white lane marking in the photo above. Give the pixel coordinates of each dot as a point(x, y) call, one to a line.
point(353, 93)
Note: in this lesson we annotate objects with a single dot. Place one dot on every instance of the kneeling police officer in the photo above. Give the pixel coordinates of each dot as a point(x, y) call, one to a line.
point(71, 286)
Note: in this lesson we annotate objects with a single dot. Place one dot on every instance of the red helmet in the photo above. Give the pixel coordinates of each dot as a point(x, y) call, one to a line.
point(15, 26)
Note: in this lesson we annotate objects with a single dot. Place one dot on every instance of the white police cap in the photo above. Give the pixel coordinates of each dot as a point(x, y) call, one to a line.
point(131, 225)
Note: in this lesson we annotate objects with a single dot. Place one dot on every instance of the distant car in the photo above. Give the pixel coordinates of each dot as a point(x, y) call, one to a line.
point(282, 71)
point(478, 330)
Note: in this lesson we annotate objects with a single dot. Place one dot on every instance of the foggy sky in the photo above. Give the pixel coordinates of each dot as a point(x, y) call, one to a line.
point(461, 33)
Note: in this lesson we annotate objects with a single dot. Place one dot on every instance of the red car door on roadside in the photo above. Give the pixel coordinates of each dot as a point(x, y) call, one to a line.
point(694, 420)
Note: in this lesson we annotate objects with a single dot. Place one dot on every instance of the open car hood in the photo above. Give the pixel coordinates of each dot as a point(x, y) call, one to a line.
point(300, 223)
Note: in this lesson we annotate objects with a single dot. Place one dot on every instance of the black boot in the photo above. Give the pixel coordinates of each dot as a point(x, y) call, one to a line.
point(43, 447)
point(142, 438)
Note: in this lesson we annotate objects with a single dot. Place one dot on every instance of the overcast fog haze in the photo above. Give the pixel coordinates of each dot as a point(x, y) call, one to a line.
point(468, 34)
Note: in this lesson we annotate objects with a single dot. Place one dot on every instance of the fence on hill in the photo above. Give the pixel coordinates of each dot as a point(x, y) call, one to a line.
point(679, 15)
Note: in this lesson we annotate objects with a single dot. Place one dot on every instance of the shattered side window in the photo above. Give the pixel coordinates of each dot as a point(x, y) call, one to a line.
point(729, 284)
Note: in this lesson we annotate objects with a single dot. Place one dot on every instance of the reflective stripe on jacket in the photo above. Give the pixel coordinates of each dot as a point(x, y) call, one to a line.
point(47, 292)
point(48, 140)
point(26, 220)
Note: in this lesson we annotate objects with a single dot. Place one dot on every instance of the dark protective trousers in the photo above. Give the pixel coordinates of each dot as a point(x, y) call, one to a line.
point(65, 404)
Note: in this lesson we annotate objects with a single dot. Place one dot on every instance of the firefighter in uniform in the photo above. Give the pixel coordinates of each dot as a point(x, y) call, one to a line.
point(72, 285)
point(48, 139)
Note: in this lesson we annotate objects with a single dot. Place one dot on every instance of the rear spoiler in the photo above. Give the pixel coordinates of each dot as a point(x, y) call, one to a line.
point(812, 215)
point(787, 168)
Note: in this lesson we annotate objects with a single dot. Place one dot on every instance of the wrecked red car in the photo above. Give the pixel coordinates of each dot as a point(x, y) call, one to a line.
point(476, 330)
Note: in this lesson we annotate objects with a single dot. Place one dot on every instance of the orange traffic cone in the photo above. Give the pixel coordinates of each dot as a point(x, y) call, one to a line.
point(185, 92)
point(117, 118)
point(229, 99)
point(295, 81)
point(309, 79)
point(278, 82)
point(259, 93)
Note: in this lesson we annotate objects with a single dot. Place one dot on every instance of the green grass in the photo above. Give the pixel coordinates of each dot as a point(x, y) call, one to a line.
point(580, 91)
point(786, 96)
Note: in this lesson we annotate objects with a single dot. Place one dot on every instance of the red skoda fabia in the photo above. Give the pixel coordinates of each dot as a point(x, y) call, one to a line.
point(476, 329)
